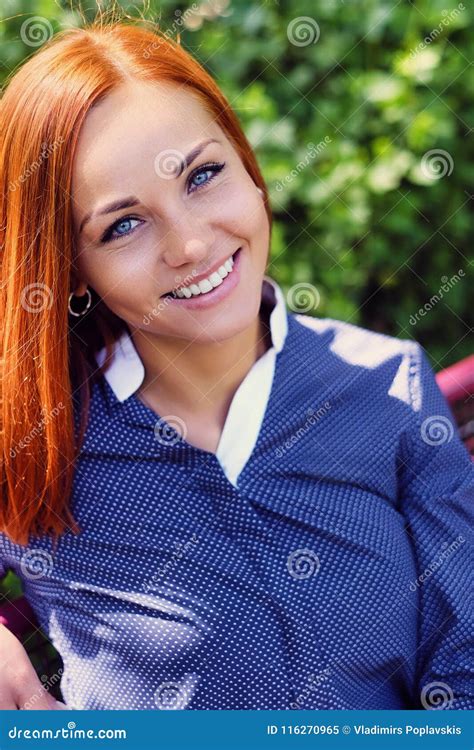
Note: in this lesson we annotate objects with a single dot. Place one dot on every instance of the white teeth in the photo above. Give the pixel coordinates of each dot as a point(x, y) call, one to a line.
point(215, 279)
point(205, 285)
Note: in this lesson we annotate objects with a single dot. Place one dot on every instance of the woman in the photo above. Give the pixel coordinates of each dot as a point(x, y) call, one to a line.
point(212, 503)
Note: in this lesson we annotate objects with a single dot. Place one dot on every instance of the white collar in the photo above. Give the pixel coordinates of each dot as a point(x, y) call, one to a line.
point(126, 372)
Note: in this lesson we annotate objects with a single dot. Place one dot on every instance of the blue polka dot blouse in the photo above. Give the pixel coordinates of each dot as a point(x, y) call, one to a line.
point(333, 574)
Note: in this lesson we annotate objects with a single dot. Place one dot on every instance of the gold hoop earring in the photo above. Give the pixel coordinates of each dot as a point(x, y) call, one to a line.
point(83, 312)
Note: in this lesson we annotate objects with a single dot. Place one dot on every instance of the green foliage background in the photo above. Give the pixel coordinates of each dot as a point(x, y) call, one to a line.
point(361, 221)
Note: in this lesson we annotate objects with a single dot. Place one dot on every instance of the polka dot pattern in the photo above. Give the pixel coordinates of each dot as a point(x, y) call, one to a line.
point(303, 586)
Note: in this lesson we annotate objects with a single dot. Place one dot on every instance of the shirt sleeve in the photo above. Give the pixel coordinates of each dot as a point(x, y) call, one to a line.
point(437, 499)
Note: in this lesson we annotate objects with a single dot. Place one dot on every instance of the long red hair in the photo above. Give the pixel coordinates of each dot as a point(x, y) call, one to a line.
point(46, 357)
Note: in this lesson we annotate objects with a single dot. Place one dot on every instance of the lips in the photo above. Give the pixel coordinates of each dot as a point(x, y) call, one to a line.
point(171, 293)
point(202, 302)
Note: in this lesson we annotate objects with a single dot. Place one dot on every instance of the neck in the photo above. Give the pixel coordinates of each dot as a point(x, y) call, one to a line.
point(201, 378)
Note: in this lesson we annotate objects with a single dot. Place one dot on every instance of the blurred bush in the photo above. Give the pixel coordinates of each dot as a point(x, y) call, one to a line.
point(360, 114)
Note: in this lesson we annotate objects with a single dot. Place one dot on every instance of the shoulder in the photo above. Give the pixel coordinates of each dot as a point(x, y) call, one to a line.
point(390, 362)
point(365, 347)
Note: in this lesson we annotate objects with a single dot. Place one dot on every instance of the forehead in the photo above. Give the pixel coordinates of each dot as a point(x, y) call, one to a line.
point(134, 123)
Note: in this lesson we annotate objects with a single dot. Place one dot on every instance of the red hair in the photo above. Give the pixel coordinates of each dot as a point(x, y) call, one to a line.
point(47, 358)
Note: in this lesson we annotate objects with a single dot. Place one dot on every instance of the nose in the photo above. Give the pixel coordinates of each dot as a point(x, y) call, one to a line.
point(190, 242)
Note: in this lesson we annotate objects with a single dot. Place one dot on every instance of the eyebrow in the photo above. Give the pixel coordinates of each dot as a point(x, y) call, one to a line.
point(132, 200)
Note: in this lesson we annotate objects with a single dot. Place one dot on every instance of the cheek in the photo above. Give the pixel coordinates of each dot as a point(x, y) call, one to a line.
point(241, 211)
point(115, 278)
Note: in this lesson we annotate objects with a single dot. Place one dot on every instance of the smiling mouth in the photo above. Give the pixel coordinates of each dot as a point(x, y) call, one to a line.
point(203, 287)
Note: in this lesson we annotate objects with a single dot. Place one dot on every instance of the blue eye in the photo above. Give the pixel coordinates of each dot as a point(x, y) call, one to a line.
point(201, 172)
point(201, 175)
point(109, 234)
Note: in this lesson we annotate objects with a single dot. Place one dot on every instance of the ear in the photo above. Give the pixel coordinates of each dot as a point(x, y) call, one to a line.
point(78, 288)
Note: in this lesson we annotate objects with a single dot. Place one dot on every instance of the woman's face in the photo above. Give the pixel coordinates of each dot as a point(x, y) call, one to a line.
point(181, 228)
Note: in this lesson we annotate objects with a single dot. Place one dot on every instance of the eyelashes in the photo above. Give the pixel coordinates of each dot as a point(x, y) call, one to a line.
point(213, 167)
point(108, 235)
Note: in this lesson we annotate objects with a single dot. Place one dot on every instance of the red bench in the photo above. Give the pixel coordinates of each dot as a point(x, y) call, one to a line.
point(457, 384)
